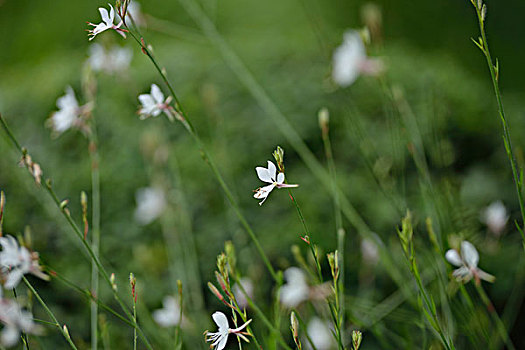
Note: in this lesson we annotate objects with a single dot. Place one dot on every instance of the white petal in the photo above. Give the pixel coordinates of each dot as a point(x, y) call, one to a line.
point(9, 336)
point(462, 274)
point(280, 178)
point(104, 15)
point(348, 58)
point(111, 15)
point(263, 174)
point(319, 332)
point(263, 192)
point(272, 170)
point(453, 257)
point(157, 94)
point(221, 320)
point(222, 342)
point(469, 253)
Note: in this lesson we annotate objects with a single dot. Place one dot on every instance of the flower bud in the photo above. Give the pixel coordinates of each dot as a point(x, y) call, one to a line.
point(294, 326)
point(324, 118)
point(357, 336)
point(278, 155)
point(2, 205)
point(112, 280)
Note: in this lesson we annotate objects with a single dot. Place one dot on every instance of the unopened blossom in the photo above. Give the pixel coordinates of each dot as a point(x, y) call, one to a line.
point(269, 175)
point(320, 333)
point(495, 216)
point(107, 23)
point(219, 339)
point(68, 112)
point(350, 60)
point(15, 320)
point(16, 261)
point(116, 59)
point(150, 204)
point(467, 262)
point(247, 285)
point(296, 289)
point(153, 104)
point(169, 315)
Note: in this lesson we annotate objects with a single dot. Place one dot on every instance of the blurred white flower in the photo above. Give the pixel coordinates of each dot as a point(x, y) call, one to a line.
point(150, 204)
point(319, 331)
point(220, 338)
point(467, 263)
point(117, 59)
point(369, 251)
point(107, 23)
point(296, 289)
point(15, 320)
point(68, 112)
point(153, 104)
point(350, 60)
point(495, 216)
point(16, 261)
point(169, 315)
point(135, 12)
point(247, 285)
point(269, 175)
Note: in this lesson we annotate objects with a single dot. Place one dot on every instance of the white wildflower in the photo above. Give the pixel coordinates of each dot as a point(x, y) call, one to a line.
point(296, 289)
point(68, 112)
point(467, 263)
point(319, 331)
point(15, 320)
point(495, 216)
point(153, 104)
point(107, 23)
point(16, 261)
point(350, 60)
point(169, 315)
point(269, 175)
point(150, 204)
point(247, 285)
point(220, 338)
point(369, 251)
point(116, 59)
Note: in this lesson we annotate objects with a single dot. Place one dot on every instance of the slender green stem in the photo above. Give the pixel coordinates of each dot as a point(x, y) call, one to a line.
point(50, 314)
point(494, 315)
point(79, 235)
point(340, 232)
point(484, 46)
point(95, 222)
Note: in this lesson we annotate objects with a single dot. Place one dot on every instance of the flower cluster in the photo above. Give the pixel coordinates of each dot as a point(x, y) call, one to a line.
point(116, 59)
point(467, 262)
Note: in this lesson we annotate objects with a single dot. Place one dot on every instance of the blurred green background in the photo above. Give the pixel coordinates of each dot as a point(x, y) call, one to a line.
point(287, 45)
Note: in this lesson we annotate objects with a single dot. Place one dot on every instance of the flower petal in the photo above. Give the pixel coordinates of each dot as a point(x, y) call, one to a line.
point(263, 192)
point(111, 15)
point(104, 15)
point(453, 257)
point(280, 178)
point(272, 170)
point(469, 253)
point(222, 342)
point(157, 94)
point(463, 274)
point(221, 320)
point(263, 174)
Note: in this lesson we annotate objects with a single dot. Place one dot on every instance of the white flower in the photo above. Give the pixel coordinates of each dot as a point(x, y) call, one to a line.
point(153, 104)
point(68, 112)
point(467, 263)
point(350, 60)
point(495, 216)
point(296, 290)
point(220, 338)
point(369, 251)
point(150, 204)
point(269, 175)
point(319, 332)
point(107, 23)
point(15, 320)
point(169, 315)
point(16, 261)
point(135, 12)
point(114, 60)
point(247, 285)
